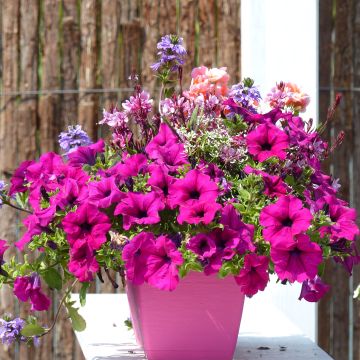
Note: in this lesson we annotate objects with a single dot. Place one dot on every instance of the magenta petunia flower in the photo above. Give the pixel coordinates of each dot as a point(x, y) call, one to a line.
point(141, 209)
point(284, 219)
point(231, 219)
point(135, 256)
point(343, 219)
point(266, 141)
point(194, 186)
point(71, 193)
point(254, 275)
point(133, 165)
point(164, 138)
point(296, 261)
point(86, 154)
point(202, 245)
point(273, 185)
point(195, 212)
point(86, 223)
point(172, 156)
point(29, 287)
point(83, 262)
point(18, 179)
point(163, 265)
point(212, 170)
point(160, 180)
point(104, 193)
point(313, 290)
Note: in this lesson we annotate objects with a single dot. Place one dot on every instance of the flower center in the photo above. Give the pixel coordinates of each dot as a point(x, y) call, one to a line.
point(142, 214)
point(266, 146)
point(200, 213)
point(194, 195)
point(86, 227)
point(287, 222)
point(107, 193)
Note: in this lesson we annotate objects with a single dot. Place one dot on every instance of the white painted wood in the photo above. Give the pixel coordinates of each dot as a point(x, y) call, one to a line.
point(264, 333)
point(279, 42)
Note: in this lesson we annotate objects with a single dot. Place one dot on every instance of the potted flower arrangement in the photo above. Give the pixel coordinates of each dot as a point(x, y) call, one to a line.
point(195, 203)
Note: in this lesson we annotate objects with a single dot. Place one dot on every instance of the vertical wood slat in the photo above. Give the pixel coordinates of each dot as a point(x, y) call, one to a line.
point(70, 61)
point(356, 161)
point(27, 122)
point(49, 103)
point(325, 51)
point(8, 135)
point(88, 115)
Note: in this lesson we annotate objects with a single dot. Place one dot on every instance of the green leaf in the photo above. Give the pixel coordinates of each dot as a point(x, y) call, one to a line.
point(77, 321)
point(32, 330)
point(82, 294)
point(357, 293)
point(53, 278)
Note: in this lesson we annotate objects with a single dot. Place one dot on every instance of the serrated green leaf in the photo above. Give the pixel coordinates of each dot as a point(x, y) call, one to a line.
point(32, 330)
point(53, 278)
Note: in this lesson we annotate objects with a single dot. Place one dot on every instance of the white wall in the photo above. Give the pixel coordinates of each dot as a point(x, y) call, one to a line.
point(279, 42)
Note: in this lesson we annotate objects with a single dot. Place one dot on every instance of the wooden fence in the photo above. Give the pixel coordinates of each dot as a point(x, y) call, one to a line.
point(64, 60)
point(339, 63)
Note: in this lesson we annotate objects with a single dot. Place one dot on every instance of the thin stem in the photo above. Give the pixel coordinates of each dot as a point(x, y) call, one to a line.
point(160, 97)
point(59, 308)
point(17, 207)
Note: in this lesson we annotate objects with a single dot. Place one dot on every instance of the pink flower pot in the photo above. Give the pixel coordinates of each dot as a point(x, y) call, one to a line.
point(198, 321)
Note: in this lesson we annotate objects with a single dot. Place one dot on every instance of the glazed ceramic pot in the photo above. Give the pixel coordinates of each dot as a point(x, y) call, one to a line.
point(199, 320)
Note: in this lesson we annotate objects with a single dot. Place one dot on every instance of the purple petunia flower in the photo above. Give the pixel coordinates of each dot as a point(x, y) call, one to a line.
point(86, 154)
point(10, 330)
point(296, 261)
point(203, 245)
point(313, 290)
point(254, 275)
point(141, 209)
point(171, 53)
point(73, 138)
point(18, 179)
point(284, 219)
point(266, 141)
point(29, 287)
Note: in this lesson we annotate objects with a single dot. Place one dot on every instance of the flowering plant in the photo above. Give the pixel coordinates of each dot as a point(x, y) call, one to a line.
point(215, 180)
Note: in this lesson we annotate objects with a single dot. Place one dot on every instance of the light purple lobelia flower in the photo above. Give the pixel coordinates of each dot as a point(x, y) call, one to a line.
point(10, 330)
point(171, 53)
point(246, 94)
point(73, 138)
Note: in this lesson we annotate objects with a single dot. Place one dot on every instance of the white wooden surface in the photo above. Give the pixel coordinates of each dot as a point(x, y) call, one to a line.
point(265, 333)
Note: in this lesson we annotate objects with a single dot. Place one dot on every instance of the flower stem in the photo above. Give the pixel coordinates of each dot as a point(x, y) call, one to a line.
point(17, 207)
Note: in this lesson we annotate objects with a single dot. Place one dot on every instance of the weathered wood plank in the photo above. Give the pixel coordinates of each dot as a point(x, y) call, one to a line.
point(70, 61)
point(88, 115)
point(340, 162)
point(8, 135)
point(325, 51)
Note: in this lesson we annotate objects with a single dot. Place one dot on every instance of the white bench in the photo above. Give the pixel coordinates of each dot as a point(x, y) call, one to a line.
point(265, 333)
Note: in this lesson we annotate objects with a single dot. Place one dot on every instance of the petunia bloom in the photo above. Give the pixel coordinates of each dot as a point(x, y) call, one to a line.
point(104, 193)
point(254, 275)
point(83, 264)
point(141, 209)
point(163, 264)
point(86, 154)
point(267, 141)
point(313, 290)
point(284, 219)
point(296, 261)
point(194, 186)
point(87, 223)
point(202, 245)
point(18, 178)
point(135, 256)
point(195, 212)
point(29, 287)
